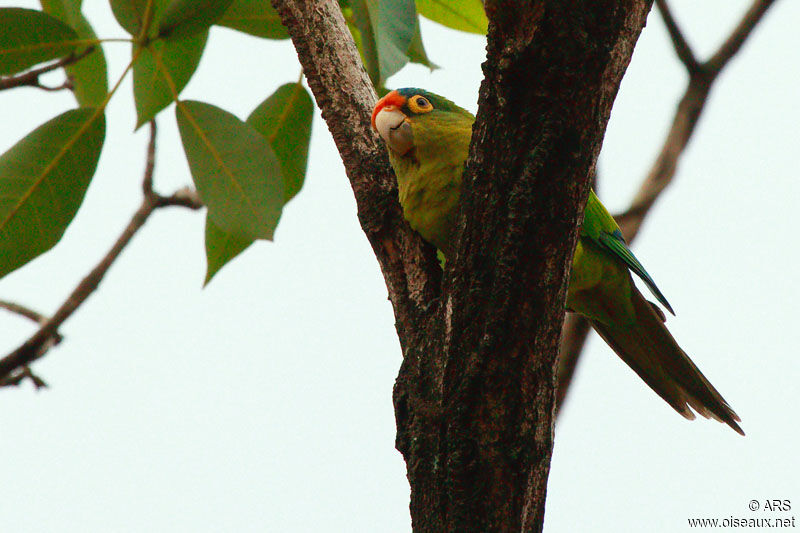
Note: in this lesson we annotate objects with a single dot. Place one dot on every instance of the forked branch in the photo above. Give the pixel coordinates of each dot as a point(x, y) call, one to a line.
point(31, 78)
point(14, 366)
point(701, 78)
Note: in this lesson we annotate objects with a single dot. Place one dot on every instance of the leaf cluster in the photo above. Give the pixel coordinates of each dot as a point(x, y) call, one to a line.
point(245, 171)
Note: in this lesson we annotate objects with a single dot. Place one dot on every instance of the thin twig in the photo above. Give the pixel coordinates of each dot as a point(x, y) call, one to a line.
point(150, 161)
point(701, 78)
point(38, 344)
point(30, 314)
point(573, 339)
point(739, 35)
point(685, 120)
point(21, 310)
point(183, 197)
point(16, 379)
point(31, 78)
point(682, 48)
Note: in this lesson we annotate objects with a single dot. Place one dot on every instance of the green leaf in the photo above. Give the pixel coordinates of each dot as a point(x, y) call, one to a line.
point(386, 30)
point(256, 17)
point(356, 34)
point(162, 70)
point(416, 50)
point(65, 10)
point(43, 179)
point(131, 14)
point(285, 120)
point(394, 22)
point(234, 168)
point(90, 74)
point(28, 37)
point(184, 18)
point(221, 247)
point(463, 15)
point(365, 40)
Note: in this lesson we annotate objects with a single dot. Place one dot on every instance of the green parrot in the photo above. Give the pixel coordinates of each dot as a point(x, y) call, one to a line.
point(428, 139)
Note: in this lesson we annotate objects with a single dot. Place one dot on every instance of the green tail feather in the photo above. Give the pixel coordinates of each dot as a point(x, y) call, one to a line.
point(651, 351)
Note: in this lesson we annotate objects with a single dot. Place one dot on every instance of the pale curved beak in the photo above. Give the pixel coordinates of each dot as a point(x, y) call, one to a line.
point(395, 129)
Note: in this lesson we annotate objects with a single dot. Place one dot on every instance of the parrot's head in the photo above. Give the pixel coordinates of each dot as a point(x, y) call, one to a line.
point(396, 114)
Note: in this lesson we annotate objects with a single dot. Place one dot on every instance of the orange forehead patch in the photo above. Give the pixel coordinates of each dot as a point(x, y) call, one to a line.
point(394, 99)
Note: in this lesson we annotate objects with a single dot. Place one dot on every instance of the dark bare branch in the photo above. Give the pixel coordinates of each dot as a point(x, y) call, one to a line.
point(682, 48)
point(343, 92)
point(685, 120)
point(150, 160)
point(739, 35)
point(183, 197)
point(30, 314)
point(12, 366)
point(664, 168)
point(17, 377)
point(21, 310)
point(31, 78)
point(573, 339)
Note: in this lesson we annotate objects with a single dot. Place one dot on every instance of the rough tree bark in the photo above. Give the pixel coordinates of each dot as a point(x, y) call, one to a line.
point(475, 394)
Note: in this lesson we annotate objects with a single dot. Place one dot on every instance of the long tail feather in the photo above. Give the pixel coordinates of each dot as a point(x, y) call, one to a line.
point(651, 351)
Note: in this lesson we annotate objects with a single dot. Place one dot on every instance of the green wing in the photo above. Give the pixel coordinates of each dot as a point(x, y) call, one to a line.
point(600, 226)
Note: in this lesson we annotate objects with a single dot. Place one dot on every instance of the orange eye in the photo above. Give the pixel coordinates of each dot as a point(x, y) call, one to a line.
point(419, 104)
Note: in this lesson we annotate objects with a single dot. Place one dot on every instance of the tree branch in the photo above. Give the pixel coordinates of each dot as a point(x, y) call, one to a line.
point(21, 310)
point(345, 96)
point(31, 78)
point(552, 73)
point(739, 35)
point(42, 340)
point(16, 378)
point(573, 338)
point(473, 400)
point(682, 48)
point(183, 197)
point(685, 120)
point(701, 78)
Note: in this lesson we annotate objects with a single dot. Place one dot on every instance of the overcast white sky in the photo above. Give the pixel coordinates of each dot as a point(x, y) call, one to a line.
point(263, 403)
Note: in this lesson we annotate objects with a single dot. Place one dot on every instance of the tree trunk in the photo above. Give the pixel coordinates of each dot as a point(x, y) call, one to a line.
point(475, 394)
